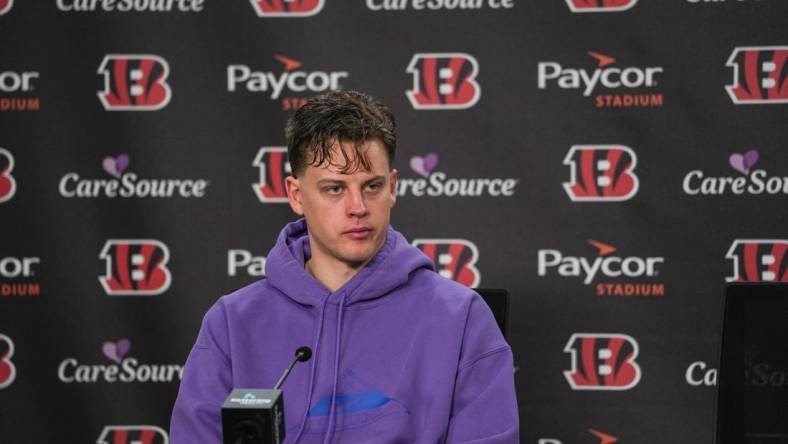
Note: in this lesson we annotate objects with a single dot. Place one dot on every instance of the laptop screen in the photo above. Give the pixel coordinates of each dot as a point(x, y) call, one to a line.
point(753, 390)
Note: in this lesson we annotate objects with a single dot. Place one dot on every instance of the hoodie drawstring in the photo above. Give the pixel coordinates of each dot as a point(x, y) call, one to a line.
point(329, 430)
point(315, 344)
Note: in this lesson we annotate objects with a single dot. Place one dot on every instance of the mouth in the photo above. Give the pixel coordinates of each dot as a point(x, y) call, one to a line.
point(358, 233)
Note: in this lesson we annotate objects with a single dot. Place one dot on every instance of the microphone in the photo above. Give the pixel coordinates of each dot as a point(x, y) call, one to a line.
point(301, 355)
point(256, 416)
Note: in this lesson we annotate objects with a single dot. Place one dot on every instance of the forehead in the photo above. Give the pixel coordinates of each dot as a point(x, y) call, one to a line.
point(344, 161)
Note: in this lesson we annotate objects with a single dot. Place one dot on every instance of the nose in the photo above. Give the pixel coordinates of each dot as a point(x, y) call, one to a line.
point(356, 207)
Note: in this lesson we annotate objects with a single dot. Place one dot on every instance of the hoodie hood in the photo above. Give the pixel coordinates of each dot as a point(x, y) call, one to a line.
point(390, 268)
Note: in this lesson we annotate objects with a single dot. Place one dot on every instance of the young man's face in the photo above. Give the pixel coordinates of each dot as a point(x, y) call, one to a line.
point(347, 214)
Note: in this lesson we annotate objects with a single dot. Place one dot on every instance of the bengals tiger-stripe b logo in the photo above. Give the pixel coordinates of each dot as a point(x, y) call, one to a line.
point(7, 181)
point(135, 267)
point(601, 173)
point(759, 260)
point(602, 361)
point(5, 6)
point(274, 169)
point(760, 75)
point(133, 434)
point(454, 259)
point(134, 82)
point(443, 81)
point(7, 368)
point(600, 5)
point(287, 8)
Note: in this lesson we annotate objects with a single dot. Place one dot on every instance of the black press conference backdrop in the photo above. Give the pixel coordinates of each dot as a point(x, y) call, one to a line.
point(610, 162)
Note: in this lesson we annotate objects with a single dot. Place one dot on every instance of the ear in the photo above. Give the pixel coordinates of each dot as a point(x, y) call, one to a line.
point(293, 187)
point(393, 176)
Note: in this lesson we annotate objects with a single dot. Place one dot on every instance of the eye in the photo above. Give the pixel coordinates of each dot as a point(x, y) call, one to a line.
point(333, 189)
point(374, 186)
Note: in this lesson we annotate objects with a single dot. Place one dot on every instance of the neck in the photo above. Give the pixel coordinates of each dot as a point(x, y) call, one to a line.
point(332, 274)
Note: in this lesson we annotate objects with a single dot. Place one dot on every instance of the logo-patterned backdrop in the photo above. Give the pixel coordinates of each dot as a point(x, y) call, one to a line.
point(609, 162)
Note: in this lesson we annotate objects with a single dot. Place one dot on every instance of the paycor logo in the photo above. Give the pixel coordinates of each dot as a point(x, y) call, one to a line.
point(554, 75)
point(17, 88)
point(17, 276)
point(605, 264)
point(292, 80)
point(238, 259)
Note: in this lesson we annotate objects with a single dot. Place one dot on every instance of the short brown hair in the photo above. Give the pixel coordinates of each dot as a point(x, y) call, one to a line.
point(338, 116)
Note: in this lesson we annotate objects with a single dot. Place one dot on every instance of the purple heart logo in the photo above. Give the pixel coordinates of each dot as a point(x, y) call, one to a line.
point(115, 351)
point(424, 165)
point(115, 166)
point(743, 163)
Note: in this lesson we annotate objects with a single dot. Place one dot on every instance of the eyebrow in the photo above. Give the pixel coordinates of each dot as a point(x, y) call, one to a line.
point(340, 181)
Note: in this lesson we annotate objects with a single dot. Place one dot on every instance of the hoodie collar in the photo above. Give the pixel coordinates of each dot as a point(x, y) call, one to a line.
point(390, 268)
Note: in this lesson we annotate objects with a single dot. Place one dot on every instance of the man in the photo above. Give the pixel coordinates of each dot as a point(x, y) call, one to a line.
point(401, 354)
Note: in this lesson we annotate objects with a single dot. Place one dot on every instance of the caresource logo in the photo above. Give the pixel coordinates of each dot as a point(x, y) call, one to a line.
point(759, 260)
point(553, 74)
point(135, 267)
point(122, 369)
point(287, 8)
point(760, 75)
point(291, 80)
point(7, 368)
point(5, 6)
point(273, 167)
point(602, 361)
point(127, 184)
point(134, 82)
point(454, 259)
point(154, 6)
point(623, 269)
point(748, 180)
point(699, 373)
point(133, 434)
point(437, 5)
point(438, 184)
point(7, 181)
point(601, 173)
point(758, 374)
point(600, 5)
point(443, 81)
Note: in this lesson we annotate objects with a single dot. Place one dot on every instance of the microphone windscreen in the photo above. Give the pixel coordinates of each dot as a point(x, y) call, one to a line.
point(303, 353)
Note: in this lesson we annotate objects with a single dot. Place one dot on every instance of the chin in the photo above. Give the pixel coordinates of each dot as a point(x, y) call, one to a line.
point(357, 257)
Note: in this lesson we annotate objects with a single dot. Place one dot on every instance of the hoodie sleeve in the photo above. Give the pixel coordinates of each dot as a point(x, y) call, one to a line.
point(484, 409)
point(207, 379)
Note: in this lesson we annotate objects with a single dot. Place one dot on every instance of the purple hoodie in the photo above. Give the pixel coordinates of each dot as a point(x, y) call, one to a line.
point(406, 355)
